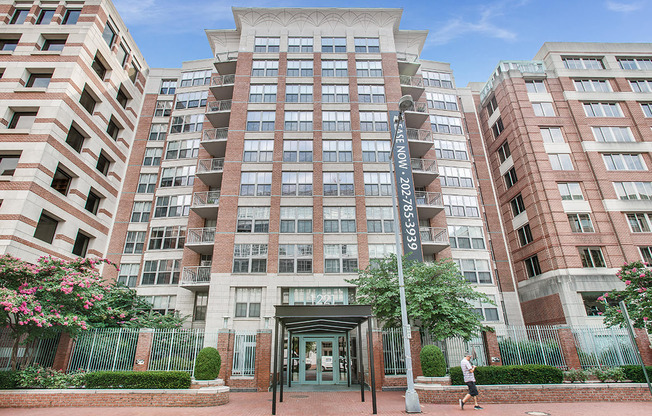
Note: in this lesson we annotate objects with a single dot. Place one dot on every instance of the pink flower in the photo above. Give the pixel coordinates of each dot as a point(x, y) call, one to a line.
point(645, 318)
point(619, 311)
point(599, 313)
point(628, 282)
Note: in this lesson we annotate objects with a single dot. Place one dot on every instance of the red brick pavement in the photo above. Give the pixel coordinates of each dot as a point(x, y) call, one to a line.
point(343, 403)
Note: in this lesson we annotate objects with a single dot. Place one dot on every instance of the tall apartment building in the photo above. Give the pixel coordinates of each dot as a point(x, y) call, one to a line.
point(565, 142)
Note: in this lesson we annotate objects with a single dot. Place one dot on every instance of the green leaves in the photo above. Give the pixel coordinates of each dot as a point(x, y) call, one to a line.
point(637, 278)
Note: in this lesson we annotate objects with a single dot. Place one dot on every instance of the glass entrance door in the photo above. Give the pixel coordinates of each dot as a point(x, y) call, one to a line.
point(318, 358)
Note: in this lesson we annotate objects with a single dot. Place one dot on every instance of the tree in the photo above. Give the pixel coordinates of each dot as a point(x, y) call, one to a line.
point(637, 277)
point(438, 297)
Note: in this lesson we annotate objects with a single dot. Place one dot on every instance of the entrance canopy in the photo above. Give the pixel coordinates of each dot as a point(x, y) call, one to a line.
point(302, 319)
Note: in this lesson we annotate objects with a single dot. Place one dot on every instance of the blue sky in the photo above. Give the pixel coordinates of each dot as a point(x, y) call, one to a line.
point(471, 35)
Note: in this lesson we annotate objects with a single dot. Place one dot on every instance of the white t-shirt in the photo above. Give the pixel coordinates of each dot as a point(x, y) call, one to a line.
point(466, 370)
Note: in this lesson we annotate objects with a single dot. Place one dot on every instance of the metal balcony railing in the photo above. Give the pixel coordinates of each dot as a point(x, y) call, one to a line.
point(207, 198)
point(433, 199)
point(419, 135)
point(220, 80)
point(215, 134)
point(215, 106)
point(200, 235)
point(226, 56)
point(210, 165)
point(411, 81)
point(424, 165)
point(407, 57)
point(434, 235)
point(196, 275)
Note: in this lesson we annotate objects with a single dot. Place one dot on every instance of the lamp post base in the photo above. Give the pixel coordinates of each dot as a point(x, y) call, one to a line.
point(412, 402)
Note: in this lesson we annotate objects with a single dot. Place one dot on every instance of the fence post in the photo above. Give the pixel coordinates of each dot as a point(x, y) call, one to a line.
point(263, 358)
point(415, 346)
point(143, 350)
point(569, 348)
point(644, 346)
point(491, 348)
point(379, 358)
point(64, 352)
point(225, 340)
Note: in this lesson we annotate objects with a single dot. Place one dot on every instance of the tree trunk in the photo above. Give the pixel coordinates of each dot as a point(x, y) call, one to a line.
point(14, 354)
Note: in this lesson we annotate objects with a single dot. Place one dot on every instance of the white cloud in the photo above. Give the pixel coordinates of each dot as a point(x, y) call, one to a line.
point(624, 7)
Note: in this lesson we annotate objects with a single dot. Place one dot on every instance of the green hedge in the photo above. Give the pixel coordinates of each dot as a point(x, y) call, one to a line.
point(635, 373)
point(137, 380)
point(511, 374)
point(433, 363)
point(207, 364)
point(8, 380)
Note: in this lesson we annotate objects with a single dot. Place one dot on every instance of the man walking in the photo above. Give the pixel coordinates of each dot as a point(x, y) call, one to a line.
point(469, 379)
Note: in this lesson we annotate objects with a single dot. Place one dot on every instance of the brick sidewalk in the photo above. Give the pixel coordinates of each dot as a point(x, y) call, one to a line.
point(342, 403)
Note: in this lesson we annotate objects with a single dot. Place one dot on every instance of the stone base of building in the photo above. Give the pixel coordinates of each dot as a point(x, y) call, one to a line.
point(202, 397)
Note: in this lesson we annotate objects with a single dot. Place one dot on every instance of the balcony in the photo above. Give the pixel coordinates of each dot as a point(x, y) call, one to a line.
point(210, 171)
point(214, 141)
point(412, 85)
point(196, 277)
point(416, 116)
point(219, 113)
point(222, 86)
point(424, 171)
point(206, 204)
point(408, 63)
point(429, 204)
point(433, 239)
point(200, 240)
point(225, 62)
point(536, 68)
point(420, 141)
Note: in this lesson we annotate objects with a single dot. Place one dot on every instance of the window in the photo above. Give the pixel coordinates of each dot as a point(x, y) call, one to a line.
point(341, 258)
point(334, 93)
point(561, 161)
point(618, 161)
point(543, 109)
point(195, 78)
point(646, 254)
point(141, 211)
point(250, 258)
point(19, 16)
point(597, 85)
point(92, 202)
point(158, 131)
point(612, 134)
point(377, 184)
point(337, 151)
point(8, 44)
point(112, 129)
point(259, 93)
point(602, 110)
point(334, 68)
point(441, 101)
point(583, 63)
point(338, 184)
point(647, 109)
point(187, 124)
point(146, 183)
point(510, 178)
point(135, 242)
point(298, 68)
point(178, 176)
point(373, 121)
point(437, 79)
point(372, 93)
point(38, 80)
point(474, 270)
point(46, 228)
point(191, 100)
point(266, 44)
point(551, 135)
point(635, 63)
point(503, 152)
point(256, 184)
point(297, 151)
point(122, 98)
point(369, 68)
point(133, 71)
point(61, 181)
point(8, 164)
point(153, 156)
point(641, 85)
point(163, 109)
point(172, 206)
point(22, 120)
point(452, 125)
point(295, 258)
point(298, 120)
point(336, 120)
point(591, 257)
point(296, 44)
point(580, 223)
point(450, 176)
point(161, 272)
point(524, 235)
point(122, 54)
point(449, 149)
point(498, 128)
point(339, 220)
point(80, 246)
point(162, 305)
point(103, 163)
point(517, 205)
point(535, 85)
point(296, 183)
point(167, 238)
point(87, 101)
point(253, 219)
point(99, 67)
point(367, 45)
point(485, 310)
point(532, 267)
point(570, 191)
point(168, 87)
point(295, 93)
point(108, 35)
point(465, 237)
point(258, 151)
point(264, 68)
point(329, 45)
point(461, 206)
point(260, 120)
point(633, 190)
point(379, 252)
point(247, 302)
point(380, 220)
point(640, 223)
point(201, 306)
point(75, 139)
point(296, 219)
point(375, 150)
point(128, 274)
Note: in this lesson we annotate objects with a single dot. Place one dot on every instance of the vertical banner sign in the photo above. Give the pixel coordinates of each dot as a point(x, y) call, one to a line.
point(407, 202)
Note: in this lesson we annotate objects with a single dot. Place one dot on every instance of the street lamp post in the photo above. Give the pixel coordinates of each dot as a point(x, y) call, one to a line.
point(411, 397)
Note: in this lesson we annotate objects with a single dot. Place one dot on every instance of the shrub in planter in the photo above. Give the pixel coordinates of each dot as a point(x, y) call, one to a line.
point(609, 373)
point(207, 364)
point(574, 375)
point(635, 373)
point(432, 361)
point(8, 380)
point(511, 374)
point(138, 380)
point(38, 377)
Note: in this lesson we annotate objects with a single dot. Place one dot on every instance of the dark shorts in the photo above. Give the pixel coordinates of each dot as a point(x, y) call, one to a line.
point(473, 390)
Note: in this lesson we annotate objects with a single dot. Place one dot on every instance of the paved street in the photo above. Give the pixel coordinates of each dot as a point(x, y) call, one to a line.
point(343, 403)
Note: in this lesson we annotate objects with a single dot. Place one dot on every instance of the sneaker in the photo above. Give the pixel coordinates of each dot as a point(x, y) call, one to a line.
point(477, 408)
point(461, 404)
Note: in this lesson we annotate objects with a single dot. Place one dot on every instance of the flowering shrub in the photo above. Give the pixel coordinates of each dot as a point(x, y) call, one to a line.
point(39, 377)
point(575, 374)
point(637, 277)
point(609, 373)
